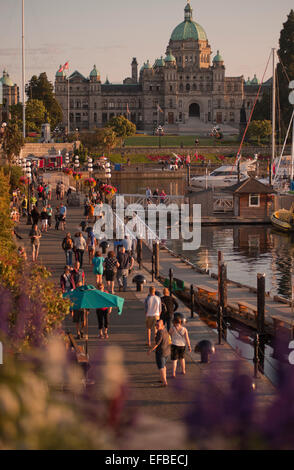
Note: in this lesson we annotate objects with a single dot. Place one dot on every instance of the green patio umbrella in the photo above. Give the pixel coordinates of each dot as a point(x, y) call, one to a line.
point(89, 297)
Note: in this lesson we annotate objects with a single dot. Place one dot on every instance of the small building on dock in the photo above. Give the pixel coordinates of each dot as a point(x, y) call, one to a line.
point(252, 199)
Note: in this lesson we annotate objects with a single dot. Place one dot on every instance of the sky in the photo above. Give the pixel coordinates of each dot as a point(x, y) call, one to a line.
point(109, 34)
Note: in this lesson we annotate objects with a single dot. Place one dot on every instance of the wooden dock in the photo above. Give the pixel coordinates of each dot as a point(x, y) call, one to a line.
point(242, 300)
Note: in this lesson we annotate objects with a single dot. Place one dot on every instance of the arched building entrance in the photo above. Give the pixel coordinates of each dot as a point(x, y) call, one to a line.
point(194, 110)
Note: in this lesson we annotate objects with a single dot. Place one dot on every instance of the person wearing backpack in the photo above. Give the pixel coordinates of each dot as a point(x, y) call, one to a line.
point(67, 246)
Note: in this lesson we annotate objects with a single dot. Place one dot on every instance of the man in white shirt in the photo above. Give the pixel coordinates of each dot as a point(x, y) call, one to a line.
point(152, 312)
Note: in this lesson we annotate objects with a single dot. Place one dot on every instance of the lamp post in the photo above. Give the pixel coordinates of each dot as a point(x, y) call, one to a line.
point(291, 100)
point(29, 176)
point(67, 159)
point(90, 166)
point(107, 171)
point(159, 132)
point(77, 165)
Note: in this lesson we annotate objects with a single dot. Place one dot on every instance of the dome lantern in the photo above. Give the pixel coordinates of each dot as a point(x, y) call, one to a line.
point(188, 29)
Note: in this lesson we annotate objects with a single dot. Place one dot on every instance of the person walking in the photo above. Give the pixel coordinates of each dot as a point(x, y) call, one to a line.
point(169, 306)
point(126, 262)
point(162, 350)
point(67, 246)
point(152, 311)
point(35, 236)
point(57, 190)
point(180, 338)
point(110, 268)
point(103, 317)
point(80, 245)
point(67, 282)
point(44, 219)
point(49, 213)
point(78, 274)
point(97, 262)
point(91, 244)
point(62, 216)
point(35, 215)
point(57, 218)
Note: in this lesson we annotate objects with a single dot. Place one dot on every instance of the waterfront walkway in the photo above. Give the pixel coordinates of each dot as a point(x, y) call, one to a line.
point(128, 332)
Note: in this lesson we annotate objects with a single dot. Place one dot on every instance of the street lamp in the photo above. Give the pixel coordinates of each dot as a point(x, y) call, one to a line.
point(29, 176)
point(160, 133)
point(90, 166)
point(76, 165)
point(67, 159)
point(107, 171)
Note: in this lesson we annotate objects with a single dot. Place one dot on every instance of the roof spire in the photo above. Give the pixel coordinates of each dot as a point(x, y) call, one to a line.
point(188, 11)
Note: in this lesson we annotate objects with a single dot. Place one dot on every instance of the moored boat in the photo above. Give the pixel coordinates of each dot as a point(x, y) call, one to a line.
point(283, 220)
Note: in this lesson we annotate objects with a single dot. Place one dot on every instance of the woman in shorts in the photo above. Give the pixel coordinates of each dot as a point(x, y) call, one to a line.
point(110, 268)
point(97, 262)
point(179, 340)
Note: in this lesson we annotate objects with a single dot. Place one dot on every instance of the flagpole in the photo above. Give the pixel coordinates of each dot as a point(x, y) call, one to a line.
point(68, 123)
point(23, 75)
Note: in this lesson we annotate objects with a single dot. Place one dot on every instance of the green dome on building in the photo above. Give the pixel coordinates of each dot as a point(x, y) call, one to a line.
point(58, 73)
point(170, 58)
point(189, 29)
point(255, 80)
point(6, 80)
point(94, 72)
point(159, 62)
point(218, 58)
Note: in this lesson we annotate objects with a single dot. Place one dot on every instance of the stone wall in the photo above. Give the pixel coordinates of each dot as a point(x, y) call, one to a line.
point(223, 150)
point(39, 150)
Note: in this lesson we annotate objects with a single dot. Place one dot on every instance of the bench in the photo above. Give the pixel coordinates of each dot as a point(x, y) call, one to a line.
point(81, 356)
point(177, 285)
point(207, 291)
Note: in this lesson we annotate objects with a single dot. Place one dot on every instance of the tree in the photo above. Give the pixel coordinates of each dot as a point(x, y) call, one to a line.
point(39, 88)
point(13, 141)
point(258, 130)
point(285, 69)
point(35, 115)
point(122, 127)
point(106, 139)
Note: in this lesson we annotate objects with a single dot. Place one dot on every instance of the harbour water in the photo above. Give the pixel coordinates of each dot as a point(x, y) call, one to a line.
point(248, 250)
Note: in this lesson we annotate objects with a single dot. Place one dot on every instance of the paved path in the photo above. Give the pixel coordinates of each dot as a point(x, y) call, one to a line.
point(128, 332)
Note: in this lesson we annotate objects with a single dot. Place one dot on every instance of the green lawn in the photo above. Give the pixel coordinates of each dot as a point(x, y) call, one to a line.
point(176, 141)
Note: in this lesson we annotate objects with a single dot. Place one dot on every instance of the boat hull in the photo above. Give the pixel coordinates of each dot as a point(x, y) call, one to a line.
point(281, 224)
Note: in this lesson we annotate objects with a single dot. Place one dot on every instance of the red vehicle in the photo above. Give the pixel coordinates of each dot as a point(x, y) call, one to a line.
point(50, 162)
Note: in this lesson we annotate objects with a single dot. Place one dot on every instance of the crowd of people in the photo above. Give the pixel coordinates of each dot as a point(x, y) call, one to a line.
point(155, 197)
point(166, 334)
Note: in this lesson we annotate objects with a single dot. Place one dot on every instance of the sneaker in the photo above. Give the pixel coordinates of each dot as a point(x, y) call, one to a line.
point(101, 336)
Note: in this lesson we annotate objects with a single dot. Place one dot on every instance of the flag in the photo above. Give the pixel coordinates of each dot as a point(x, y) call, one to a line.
point(128, 110)
point(64, 67)
point(159, 109)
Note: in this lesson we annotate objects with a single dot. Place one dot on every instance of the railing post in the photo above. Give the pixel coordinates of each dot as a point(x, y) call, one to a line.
point(192, 300)
point(220, 319)
point(256, 355)
point(139, 252)
point(223, 287)
point(260, 303)
point(156, 258)
point(152, 269)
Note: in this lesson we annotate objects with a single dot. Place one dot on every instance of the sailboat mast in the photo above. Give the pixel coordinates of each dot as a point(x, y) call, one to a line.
point(23, 75)
point(273, 118)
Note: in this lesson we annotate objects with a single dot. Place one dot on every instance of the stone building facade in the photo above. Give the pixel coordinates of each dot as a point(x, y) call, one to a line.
point(187, 91)
point(9, 95)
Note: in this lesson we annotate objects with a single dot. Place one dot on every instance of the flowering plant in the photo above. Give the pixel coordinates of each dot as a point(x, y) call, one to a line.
point(68, 171)
point(77, 176)
point(108, 189)
point(23, 180)
point(90, 182)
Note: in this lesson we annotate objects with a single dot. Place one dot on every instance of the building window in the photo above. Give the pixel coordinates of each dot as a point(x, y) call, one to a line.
point(150, 87)
point(194, 87)
point(95, 117)
point(180, 104)
point(254, 200)
point(181, 87)
point(111, 105)
point(188, 87)
point(170, 88)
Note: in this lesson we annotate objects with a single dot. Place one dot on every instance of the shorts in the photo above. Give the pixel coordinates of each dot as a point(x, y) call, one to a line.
point(160, 361)
point(109, 275)
point(177, 352)
point(78, 316)
point(90, 249)
point(151, 321)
